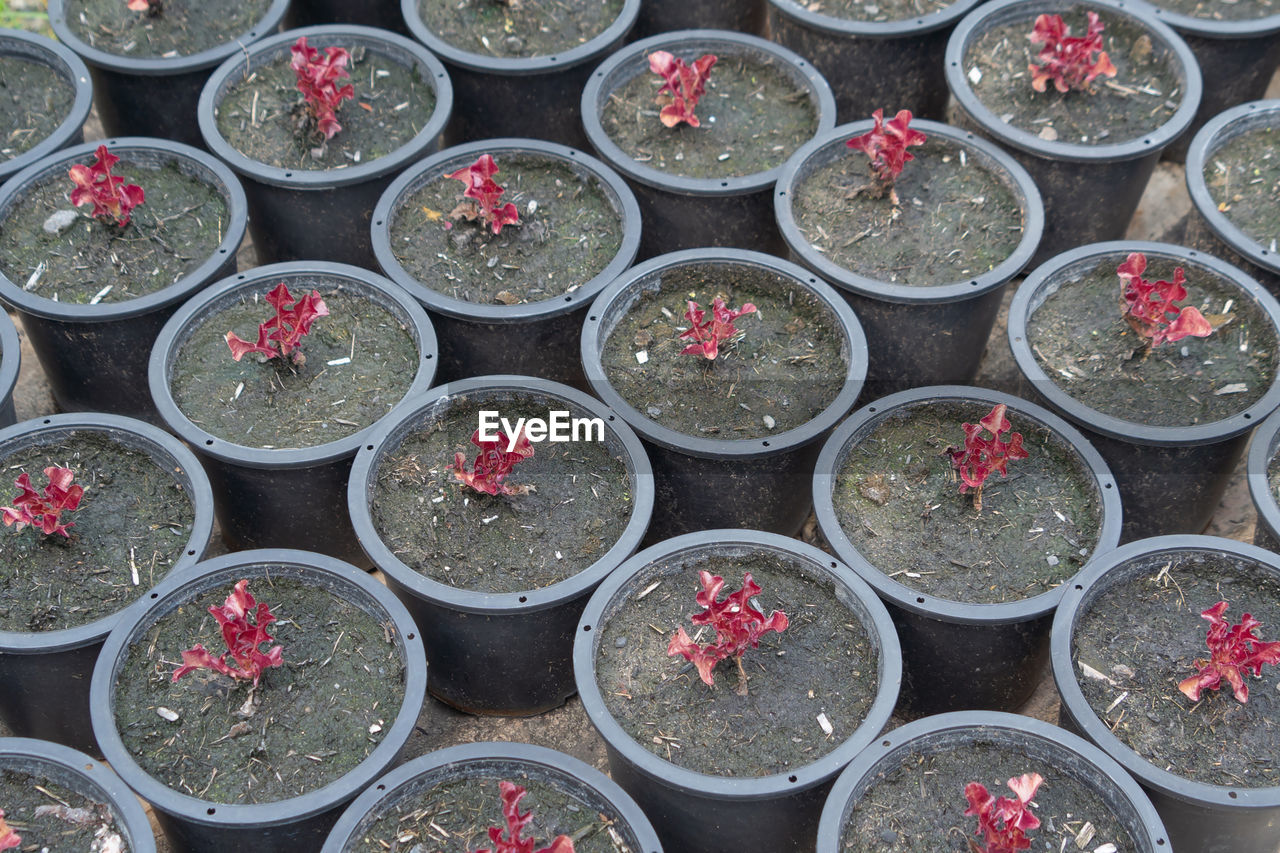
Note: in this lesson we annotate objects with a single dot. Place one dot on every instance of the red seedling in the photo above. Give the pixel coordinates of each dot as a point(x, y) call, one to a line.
point(481, 196)
point(1147, 305)
point(886, 145)
point(737, 625)
point(683, 88)
point(112, 199)
point(241, 638)
point(151, 7)
point(493, 463)
point(708, 335)
point(513, 843)
point(1003, 822)
point(1068, 61)
point(980, 456)
point(292, 321)
point(1234, 650)
point(318, 82)
point(44, 512)
point(8, 838)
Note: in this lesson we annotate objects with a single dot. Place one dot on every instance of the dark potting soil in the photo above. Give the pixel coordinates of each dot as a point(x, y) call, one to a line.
point(957, 217)
point(1243, 177)
point(500, 543)
point(918, 806)
point(897, 497)
point(787, 366)
point(753, 115)
point(1222, 10)
point(874, 10)
point(183, 28)
point(1141, 97)
point(277, 403)
point(568, 233)
point(1087, 349)
point(518, 28)
point(822, 664)
point(176, 229)
point(52, 817)
point(264, 117)
point(34, 100)
point(317, 716)
point(1140, 638)
point(131, 528)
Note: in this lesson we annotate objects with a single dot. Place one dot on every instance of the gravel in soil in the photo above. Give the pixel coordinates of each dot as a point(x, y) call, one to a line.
point(875, 10)
point(518, 28)
point(34, 100)
point(52, 817)
point(183, 28)
point(1243, 177)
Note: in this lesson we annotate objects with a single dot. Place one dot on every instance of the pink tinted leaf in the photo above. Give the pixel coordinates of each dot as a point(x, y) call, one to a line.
point(485, 192)
point(113, 200)
point(683, 86)
point(709, 334)
point(1235, 650)
point(1149, 304)
point(43, 510)
point(282, 334)
point(738, 625)
point(980, 457)
point(1070, 62)
point(493, 464)
point(241, 638)
point(317, 80)
point(8, 838)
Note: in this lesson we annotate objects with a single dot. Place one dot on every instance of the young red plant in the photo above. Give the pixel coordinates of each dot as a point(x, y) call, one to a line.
point(1003, 822)
point(1147, 305)
point(151, 7)
point(1068, 60)
point(292, 321)
point(113, 200)
point(44, 511)
point(8, 838)
point(981, 456)
point(886, 145)
point(481, 196)
point(242, 639)
point(683, 88)
point(708, 335)
point(737, 625)
point(1234, 650)
point(493, 463)
point(511, 795)
point(318, 82)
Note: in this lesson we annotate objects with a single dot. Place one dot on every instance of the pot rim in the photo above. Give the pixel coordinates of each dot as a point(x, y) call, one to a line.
point(10, 357)
point(1241, 28)
point(222, 570)
point(614, 71)
point(24, 301)
point(72, 69)
point(1134, 432)
point(834, 27)
point(998, 12)
point(425, 171)
point(1064, 621)
point(1262, 447)
point(802, 163)
point(650, 430)
point(364, 469)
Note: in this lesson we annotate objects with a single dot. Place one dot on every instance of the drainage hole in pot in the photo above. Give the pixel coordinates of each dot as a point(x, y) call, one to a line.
point(1107, 486)
point(208, 442)
point(834, 564)
point(973, 284)
point(222, 251)
point(884, 743)
point(871, 409)
point(1159, 842)
point(379, 222)
point(765, 443)
point(428, 357)
point(610, 417)
point(792, 779)
point(288, 174)
point(1231, 794)
point(523, 599)
point(211, 810)
point(592, 318)
point(586, 627)
point(919, 600)
point(368, 447)
point(46, 420)
point(411, 636)
point(1078, 586)
point(191, 553)
point(568, 299)
point(724, 183)
point(1248, 416)
point(155, 595)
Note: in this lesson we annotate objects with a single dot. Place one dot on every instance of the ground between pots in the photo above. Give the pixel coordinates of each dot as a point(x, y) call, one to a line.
point(182, 28)
point(34, 100)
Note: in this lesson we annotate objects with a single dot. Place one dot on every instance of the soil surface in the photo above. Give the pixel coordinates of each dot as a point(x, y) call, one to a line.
point(518, 28)
point(52, 817)
point(183, 28)
point(1243, 177)
point(34, 99)
point(874, 10)
point(1222, 10)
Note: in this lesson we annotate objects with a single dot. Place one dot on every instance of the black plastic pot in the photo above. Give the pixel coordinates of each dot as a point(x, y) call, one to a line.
point(917, 334)
point(681, 212)
point(83, 775)
point(296, 214)
point(284, 826)
point(535, 96)
point(959, 655)
point(661, 16)
point(871, 65)
point(383, 14)
point(511, 761)
point(1199, 816)
point(536, 338)
point(710, 482)
point(154, 96)
point(44, 51)
point(497, 653)
point(1262, 449)
point(1072, 177)
point(718, 814)
point(1048, 749)
point(283, 497)
point(1152, 465)
point(10, 363)
point(95, 356)
point(46, 673)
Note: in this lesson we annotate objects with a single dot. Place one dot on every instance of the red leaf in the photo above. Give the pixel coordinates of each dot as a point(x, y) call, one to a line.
point(1068, 61)
point(981, 456)
point(44, 511)
point(8, 838)
point(1002, 822)
point(292, 322)
point(737, 624)
point(1234, 651)
point(683, 86)
point(886, 145)
point(493, 463)
point(710, 334)
point(317, 80)
point(112, 199)
point(1148, 305)
point(512, 842)
point(240, 637)
point(485, 192)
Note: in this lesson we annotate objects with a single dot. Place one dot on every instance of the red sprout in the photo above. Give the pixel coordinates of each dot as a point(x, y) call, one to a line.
point(241, 638)
point(1068, 61)
point(1147, 305)
point(1003, 822)
point(8, 838)
point(1234, 650)
point(511, 795)
point(683, 88)
point(44, 512)
point(886, 145)
point(286, 329)
point(708, 335)
point(318, 82)
point(481, 196)
point(113, 200)
point(493, 463)
point(981, 456)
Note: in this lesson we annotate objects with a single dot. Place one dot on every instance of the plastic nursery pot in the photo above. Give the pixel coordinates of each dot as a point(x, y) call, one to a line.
point(716, 205)
point(322, 212)
point(52, 765)
point(46, 672)
point(1004, 745)
point(693, 810)
point(703, 480)
point(1228, 816)
point(1170, 477)
point(1073, 176)
point(872, 63)
point(918, 332)
point(519, 95)
point(10, 363)
point(383, 14)
point(490, 651)
point(661, 16)
point(960, 655)
point(94, 355)
point(153, 95)
point(538, 336)
point(301, 821)
point(485, 764)
point(289, 496)
point(1262, 449)
point(18, 46)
